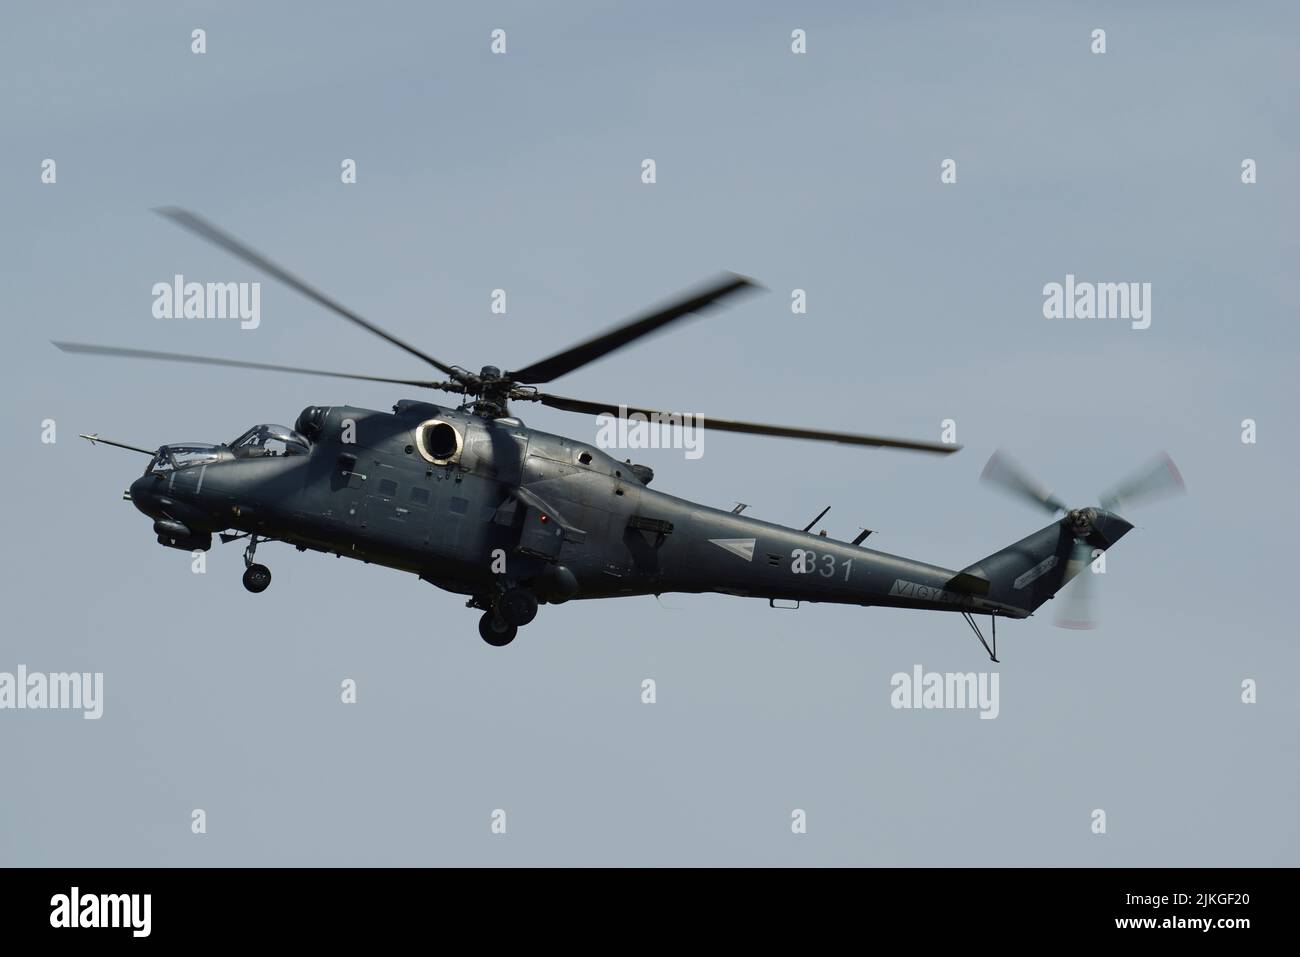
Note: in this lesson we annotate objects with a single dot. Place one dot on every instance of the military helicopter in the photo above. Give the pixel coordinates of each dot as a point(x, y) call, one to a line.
point(473, 501)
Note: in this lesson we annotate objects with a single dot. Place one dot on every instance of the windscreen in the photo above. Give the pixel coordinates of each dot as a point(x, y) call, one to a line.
point(270, 440)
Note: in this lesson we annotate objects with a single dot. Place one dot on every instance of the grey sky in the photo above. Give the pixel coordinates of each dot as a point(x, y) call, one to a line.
point(523, 172)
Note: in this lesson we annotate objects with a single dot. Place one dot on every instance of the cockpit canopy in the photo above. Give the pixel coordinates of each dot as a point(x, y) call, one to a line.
point(259, 441)
point(270, 440)
point(172, 457)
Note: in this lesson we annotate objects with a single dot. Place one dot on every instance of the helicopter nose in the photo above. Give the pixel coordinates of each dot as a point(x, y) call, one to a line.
point(144, 497)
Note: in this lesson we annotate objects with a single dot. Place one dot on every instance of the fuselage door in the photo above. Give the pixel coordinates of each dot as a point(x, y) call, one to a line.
point(347, 484)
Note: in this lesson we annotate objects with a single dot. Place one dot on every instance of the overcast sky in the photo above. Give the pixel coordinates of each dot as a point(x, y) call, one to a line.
point(522, 171)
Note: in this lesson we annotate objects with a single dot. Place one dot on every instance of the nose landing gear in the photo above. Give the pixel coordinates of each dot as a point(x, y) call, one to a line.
point(257, 578)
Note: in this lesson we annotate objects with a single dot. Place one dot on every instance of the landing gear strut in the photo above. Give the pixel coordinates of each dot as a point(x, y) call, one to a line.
point(257, 578)
point(505, 611)
point(517, 606)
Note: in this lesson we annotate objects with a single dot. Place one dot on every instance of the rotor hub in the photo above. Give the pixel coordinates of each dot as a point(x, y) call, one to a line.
point(1082, 521)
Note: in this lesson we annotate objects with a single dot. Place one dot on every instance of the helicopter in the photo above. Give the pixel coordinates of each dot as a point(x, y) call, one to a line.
point(471, 500)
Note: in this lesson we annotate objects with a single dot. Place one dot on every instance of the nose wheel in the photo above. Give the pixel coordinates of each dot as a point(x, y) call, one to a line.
point(257, 578)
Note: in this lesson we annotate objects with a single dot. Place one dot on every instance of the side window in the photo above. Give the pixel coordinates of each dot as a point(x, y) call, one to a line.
point(458, 506)
point(387, 487)
point(419, 496)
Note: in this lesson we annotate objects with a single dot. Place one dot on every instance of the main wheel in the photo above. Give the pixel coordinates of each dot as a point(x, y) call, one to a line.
point(517, 606)
point(495, 631)
point(257, 578)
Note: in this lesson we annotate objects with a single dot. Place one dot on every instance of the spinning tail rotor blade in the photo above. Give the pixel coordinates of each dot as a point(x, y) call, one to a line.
point(1158, 480)
point(1004, 472)
point(1079, 600)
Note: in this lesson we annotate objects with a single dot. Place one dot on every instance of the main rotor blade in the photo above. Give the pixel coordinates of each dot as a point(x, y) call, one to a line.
point(591, 350)
point(85, 349)
point(208, 231)
point(750, 428)
point(1158, 480)
point(94, 439)
point(1004, 472)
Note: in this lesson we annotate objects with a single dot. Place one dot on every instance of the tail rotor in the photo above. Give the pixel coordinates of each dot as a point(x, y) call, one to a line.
point(1157, 480)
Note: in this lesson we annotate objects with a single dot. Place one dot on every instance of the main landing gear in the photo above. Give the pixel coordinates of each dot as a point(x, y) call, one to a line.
point(495, 631)
point(257, 578)
point(504, 614)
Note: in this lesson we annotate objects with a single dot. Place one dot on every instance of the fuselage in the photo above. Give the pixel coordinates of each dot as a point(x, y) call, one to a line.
point(467, 503)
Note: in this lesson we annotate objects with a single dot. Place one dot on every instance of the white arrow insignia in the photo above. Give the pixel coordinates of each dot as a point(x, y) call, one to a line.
point(744, 547)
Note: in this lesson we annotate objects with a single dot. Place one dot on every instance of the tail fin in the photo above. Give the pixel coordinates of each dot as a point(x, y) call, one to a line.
point(1024, 575)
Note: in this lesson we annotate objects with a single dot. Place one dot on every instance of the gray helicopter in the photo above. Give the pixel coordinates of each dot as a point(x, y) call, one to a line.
point(473, 501)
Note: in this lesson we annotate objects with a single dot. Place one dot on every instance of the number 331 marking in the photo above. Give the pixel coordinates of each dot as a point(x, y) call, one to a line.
point(808, 562)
